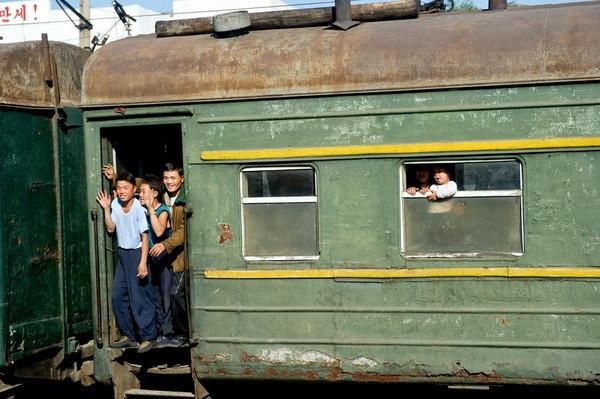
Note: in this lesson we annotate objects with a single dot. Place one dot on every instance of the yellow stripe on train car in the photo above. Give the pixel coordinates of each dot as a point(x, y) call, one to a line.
point(392, 149)
point(507, 272)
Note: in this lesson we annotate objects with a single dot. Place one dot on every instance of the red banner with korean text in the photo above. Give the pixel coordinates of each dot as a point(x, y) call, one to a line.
point(18, 12)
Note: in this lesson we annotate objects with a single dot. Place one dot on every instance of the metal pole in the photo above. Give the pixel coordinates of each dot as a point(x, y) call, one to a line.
point(343, 15)
point(84, 34)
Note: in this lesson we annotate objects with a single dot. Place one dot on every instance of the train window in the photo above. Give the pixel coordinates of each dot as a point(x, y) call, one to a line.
point(279, 213)
point(484, 217)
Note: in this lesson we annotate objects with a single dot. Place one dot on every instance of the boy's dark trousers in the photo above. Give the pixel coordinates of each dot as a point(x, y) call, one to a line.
point(162, 280)
point(133, 296)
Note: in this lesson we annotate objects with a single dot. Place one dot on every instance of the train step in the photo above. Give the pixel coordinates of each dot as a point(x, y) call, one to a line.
point(138, 393)
point(163, 369)
point(9, 391)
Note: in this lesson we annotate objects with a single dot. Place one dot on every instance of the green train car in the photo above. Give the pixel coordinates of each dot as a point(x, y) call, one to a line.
point(45, 312)
point(308, 260)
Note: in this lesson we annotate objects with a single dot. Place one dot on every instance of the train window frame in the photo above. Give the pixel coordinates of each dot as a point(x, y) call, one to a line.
point(304, 199)
point(461, 193)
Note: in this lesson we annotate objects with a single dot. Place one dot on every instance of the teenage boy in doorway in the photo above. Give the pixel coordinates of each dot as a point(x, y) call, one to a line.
point(174, 246)
point(132, 292)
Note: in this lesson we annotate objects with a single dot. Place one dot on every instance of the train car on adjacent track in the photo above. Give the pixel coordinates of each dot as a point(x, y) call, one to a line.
point(45, 313)
point(307, 258)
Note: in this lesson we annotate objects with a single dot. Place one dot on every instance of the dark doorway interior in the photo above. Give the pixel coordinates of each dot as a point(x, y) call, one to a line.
point(142, 150)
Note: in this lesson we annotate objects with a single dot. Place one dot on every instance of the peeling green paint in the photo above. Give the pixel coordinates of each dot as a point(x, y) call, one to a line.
point(480, 330)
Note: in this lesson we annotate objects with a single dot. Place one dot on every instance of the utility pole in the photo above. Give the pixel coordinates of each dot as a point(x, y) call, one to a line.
point(84, 34)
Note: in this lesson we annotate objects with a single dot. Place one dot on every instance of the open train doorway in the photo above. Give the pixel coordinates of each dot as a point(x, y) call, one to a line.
point(142, 150)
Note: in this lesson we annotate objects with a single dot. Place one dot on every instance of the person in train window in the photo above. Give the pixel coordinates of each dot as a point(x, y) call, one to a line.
point(444, 187)
point(422, 181)
point(174, 245)
point(152, 197)
point(132, 293)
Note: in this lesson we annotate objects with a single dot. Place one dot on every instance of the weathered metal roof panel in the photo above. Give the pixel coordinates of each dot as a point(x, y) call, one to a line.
point(27, 79)
point(437, 51)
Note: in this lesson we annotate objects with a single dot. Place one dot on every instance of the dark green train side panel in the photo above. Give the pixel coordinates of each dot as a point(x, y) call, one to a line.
point(29, 222)
point(44, 300)
point(76, 263)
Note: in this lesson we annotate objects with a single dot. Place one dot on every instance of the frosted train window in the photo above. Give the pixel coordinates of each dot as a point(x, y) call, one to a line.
point(279, 213)
point(483, 218)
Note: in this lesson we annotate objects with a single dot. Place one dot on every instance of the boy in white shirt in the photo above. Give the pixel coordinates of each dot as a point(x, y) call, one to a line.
point(132, 292)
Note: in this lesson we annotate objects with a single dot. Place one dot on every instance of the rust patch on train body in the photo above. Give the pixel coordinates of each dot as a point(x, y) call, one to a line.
point(225, 232)
point(309, 365)
point(26, 77)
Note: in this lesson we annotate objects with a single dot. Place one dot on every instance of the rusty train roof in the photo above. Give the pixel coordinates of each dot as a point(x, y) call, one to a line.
point(27, 78)
point(515, 46)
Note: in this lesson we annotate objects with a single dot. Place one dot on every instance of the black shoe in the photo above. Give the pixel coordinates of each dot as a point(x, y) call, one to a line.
point(145, 346)
point(173, 342)
point(162, 342)
point(123, 343)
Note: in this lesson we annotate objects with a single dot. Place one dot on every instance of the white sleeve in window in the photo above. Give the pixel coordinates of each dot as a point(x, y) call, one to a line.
point(445, 190)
